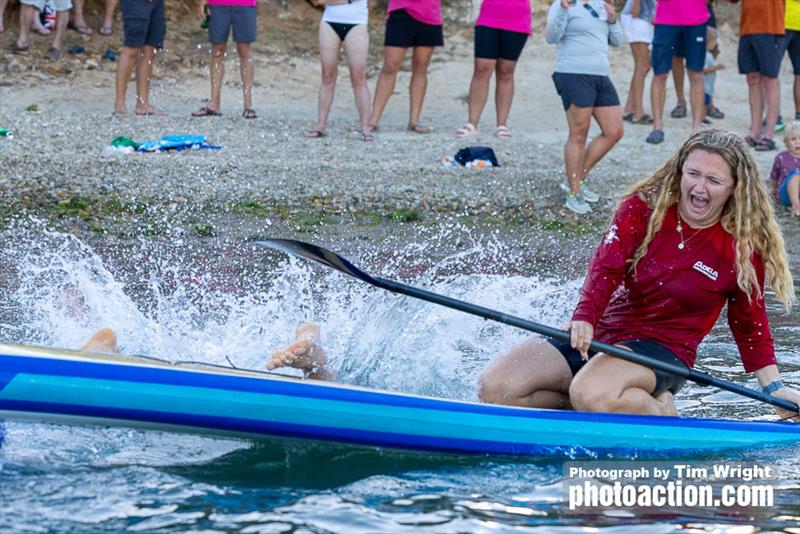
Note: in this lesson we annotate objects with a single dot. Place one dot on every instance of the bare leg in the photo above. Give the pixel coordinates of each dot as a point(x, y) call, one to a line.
point(609, 118)
point(533, 374)
point(392, 61)
point(658, 91)
point(356, 46)
point(479, 88)
point(796, 95)
point(26, 15)
point(304, 353)
point(772, 98)
point(613, 385)
point(127, 58)
point(420, 59)
point(756, 103)
point(2, 14)
point(678, 75)
point(108, 17)
point(104, 340)
point(144, 72)
point(79, 20)
point(793, 188)
point(62, 18)
point(217, 68)
point(247, 71)
point(578, 120)
point(641, 60)
point(697, 97)
point(329, 44)
point(504, 91)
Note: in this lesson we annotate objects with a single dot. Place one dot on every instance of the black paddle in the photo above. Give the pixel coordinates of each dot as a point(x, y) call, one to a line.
point(329, 259)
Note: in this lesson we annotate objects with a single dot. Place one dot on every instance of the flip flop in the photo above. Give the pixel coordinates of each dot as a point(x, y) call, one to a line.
point(765, 144)
point(14, 48)
point(206, 111)
point(468, 130)
point(678, 112)
point(154, 113)
point(644, 119)
point(502, 132)
point(105, 30)
point(417, 128)
point(249, 113)
point(80, 28)
point(313, 133)
point(628, 117)
point(53, 54)
point(367, 137)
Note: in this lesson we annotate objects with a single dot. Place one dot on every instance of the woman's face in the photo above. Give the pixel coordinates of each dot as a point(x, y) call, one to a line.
point(706, 185)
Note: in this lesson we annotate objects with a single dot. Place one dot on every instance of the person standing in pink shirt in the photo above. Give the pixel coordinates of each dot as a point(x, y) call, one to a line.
point(678, 25)
point(501, 31)
point(410, 23)
point(242, 16)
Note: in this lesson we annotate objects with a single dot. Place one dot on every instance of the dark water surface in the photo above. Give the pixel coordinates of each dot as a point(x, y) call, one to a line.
point(234, 303)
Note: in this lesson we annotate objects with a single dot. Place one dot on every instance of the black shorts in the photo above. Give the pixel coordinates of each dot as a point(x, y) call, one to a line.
point(791, 44)
point(762, 53)
point(143, 23)
point(664, 381)
point(491, 43)
point(585, 90)
point(404, 31)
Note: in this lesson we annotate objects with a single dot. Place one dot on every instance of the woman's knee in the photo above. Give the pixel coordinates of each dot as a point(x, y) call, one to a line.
point(329, 75)
point(586, 395)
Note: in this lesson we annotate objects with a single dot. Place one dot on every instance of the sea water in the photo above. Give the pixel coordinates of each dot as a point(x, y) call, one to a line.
point(238, 303)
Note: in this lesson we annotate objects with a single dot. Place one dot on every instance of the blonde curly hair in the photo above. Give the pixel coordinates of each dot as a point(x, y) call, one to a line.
point(748, 214)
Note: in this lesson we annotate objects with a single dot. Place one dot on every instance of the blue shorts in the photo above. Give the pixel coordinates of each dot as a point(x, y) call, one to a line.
point(143, 23)
point(664, 381)
point(671, 40)
point(783, 189)
point(585, 90)
point(791, 44)
point(241, 18)
point(761, 53)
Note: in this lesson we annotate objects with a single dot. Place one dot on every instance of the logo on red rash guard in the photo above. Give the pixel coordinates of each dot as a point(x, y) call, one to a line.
point(706, 270)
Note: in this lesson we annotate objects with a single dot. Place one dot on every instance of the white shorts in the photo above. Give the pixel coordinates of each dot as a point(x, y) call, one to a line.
point(637, 30)
point(58, 5)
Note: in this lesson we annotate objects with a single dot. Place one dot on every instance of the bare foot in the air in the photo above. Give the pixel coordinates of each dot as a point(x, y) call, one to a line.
point(104, 340)
point(305, 353)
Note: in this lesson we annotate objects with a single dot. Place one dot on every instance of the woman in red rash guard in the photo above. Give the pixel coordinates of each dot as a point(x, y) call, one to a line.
point(699, 233)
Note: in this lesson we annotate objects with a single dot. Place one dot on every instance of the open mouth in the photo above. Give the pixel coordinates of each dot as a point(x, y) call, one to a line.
point(698, 202)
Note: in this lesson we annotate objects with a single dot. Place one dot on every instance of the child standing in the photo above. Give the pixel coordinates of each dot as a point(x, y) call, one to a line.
point(785, 175)
point(710, 73)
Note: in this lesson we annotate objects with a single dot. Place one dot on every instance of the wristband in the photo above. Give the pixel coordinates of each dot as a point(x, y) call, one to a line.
point(773, 386)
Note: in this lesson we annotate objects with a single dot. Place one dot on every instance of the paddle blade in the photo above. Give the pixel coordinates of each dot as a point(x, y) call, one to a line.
point(317, 254)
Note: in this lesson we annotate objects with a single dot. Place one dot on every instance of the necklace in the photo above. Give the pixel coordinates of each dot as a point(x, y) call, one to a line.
point(679, 227)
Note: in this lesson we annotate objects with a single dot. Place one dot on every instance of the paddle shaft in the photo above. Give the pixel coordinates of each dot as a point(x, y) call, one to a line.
point(486, 313)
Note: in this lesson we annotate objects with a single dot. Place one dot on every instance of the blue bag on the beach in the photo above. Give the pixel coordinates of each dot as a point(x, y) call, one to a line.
point(472, 153)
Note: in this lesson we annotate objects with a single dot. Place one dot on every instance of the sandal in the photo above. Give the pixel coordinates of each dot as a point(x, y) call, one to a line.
point(679, 111)
point(366, 136)
point(249, 113)
point(206, 111)
point(53, 54)
point(16, 49)
point(416, 128)
point(502, 132)
point(750, 140)
point(468, 130)
point(628, 117)
point(105, 31)
point(644, 119)
point(655, 137)
point(313, 133)
point(765, 144)
point(80, 28)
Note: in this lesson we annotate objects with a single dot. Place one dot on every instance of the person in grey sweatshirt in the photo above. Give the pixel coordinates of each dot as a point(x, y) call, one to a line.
point(583, 29)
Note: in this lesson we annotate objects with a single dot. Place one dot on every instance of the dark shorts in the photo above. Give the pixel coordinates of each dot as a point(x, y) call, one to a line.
point(585, 90)
point(760, 52)
point(672, 40)
point(491, 43)
point(143, 23)
point(791, 44)
point(404, 31)
point(241, 18)
point(664, 381)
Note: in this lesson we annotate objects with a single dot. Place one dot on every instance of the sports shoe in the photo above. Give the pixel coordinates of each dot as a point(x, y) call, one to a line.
point(584, 192)
point(779, 125)
point(577, 205)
